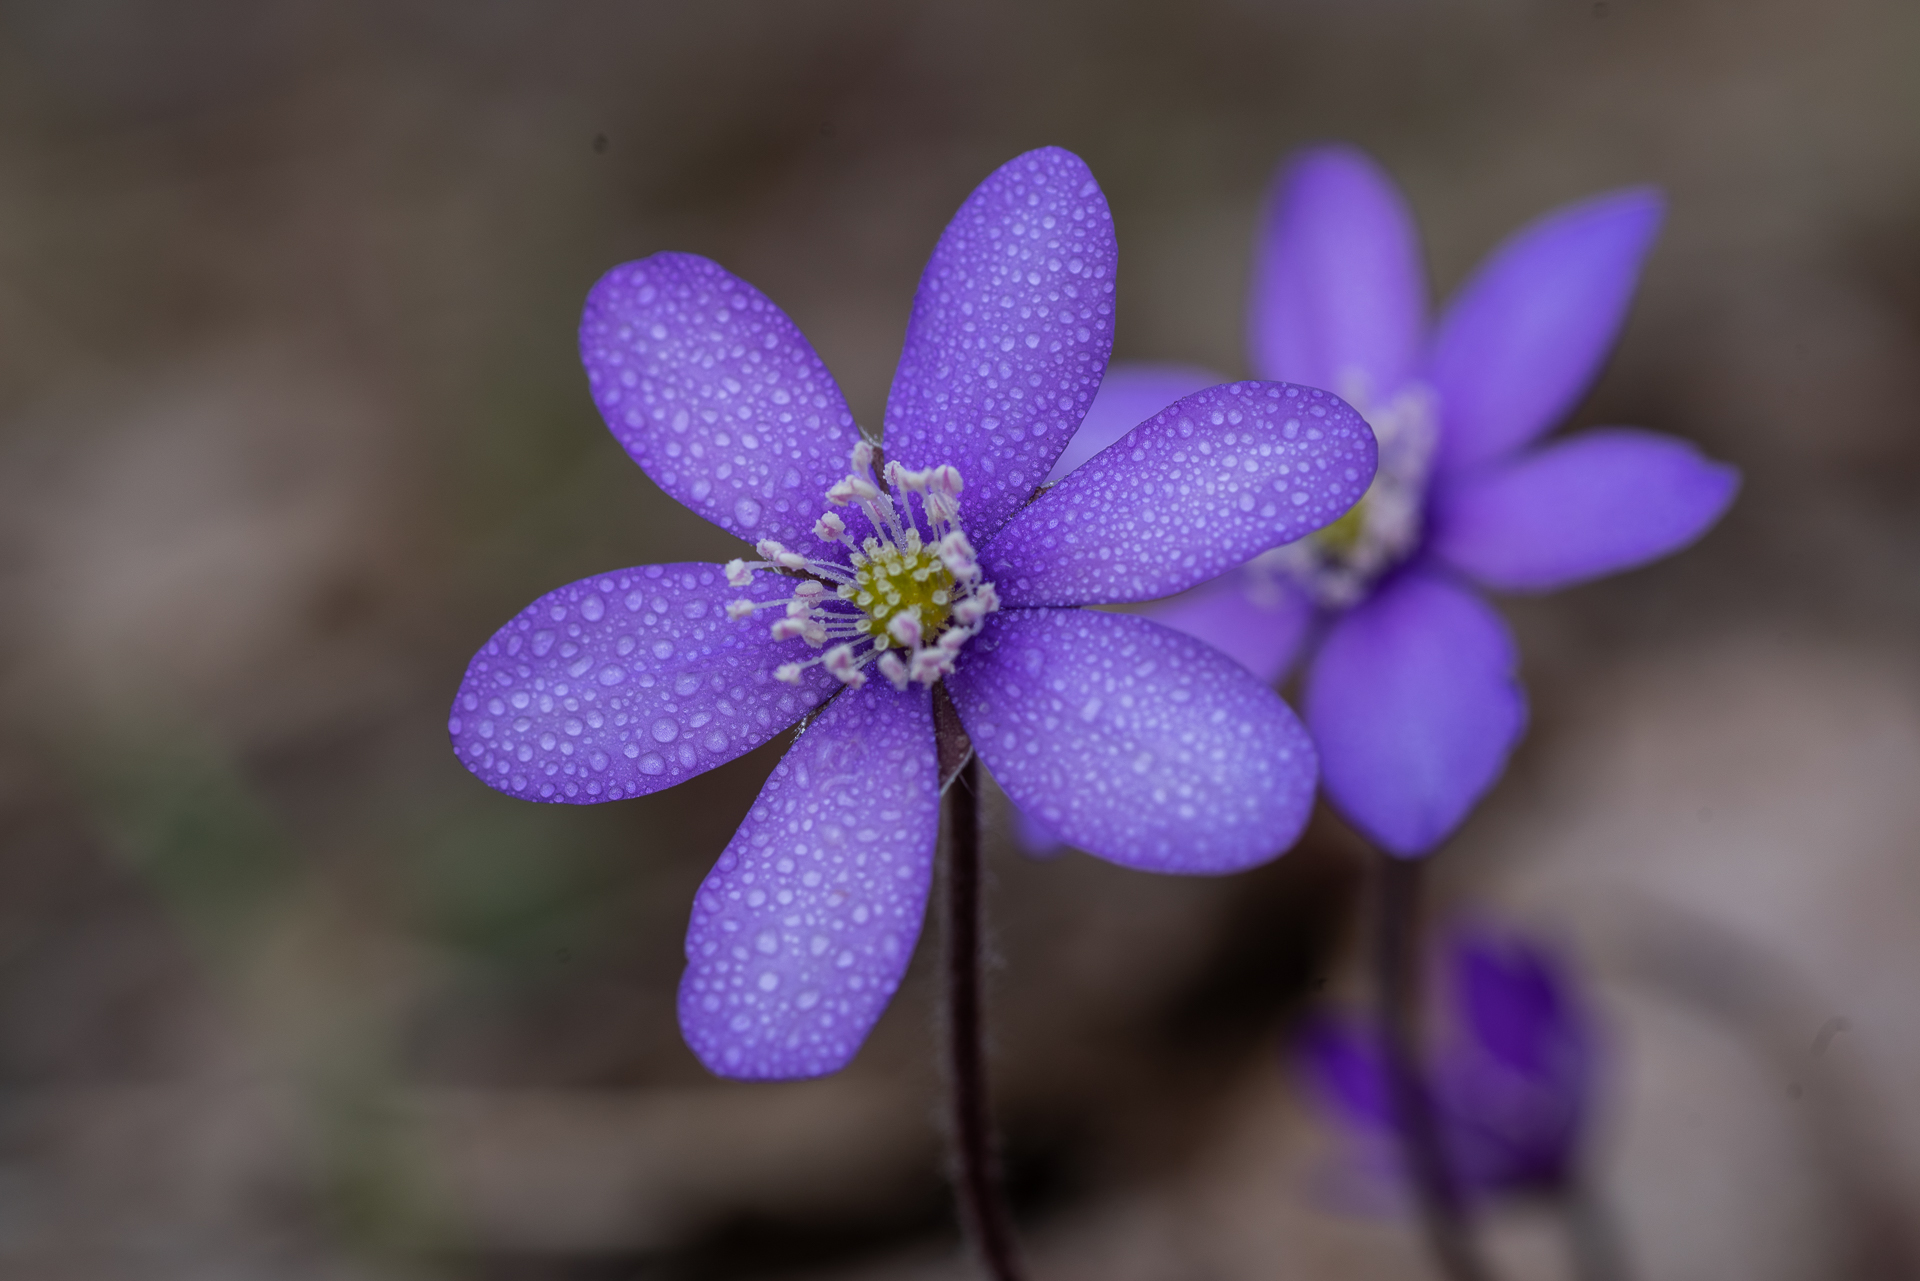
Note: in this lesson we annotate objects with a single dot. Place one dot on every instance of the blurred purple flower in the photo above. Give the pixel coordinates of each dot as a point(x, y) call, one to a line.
point(1136, 742)
point(1511, 1081)
point(1412, 697)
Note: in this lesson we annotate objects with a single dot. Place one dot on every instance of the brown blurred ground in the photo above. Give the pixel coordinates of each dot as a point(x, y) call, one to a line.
point(290, 419)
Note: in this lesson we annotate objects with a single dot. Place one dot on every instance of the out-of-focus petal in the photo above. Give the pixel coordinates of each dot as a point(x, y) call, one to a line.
point(1128, 396)
point(1345, 1065)
point(1338, 285)
point(1594, 504)
point(1527, 333)
point(1254, 617)
point(625, 683)
point(1133, 742)
point(1206, 484)
point(716, 394)
point(802, 931)
point(1414, 705)
point(1513, 1000)
point(1011, 330)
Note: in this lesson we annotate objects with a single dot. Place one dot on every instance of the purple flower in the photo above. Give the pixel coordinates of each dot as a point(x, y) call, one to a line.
point(1511, 1081)
point(1136, 742)
point(1412, 697)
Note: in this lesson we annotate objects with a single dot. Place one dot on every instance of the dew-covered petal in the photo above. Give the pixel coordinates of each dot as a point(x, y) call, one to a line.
point(1134, 742)
point(1526, 334)
point(715, 393)
point(1338, 287)
point(1414, 705)
point(1011, 329)
point(802, 931)
point(625, 683)
point(1206, 484)
point(1255, 617)
point(1128, 396)
point(1594, 504)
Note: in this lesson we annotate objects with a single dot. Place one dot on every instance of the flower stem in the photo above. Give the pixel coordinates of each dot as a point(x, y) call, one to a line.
point(983, 1203)
point(1442, 1214)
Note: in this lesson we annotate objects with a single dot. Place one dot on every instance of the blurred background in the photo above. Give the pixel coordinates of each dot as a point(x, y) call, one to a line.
point(291, 419)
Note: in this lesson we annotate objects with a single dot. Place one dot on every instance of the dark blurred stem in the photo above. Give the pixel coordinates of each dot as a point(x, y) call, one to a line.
point(1435, 1193)
point(1593, 1238)
point(983, 1203)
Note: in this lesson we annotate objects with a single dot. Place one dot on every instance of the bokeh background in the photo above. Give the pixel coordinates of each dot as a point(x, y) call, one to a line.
point(291, 419)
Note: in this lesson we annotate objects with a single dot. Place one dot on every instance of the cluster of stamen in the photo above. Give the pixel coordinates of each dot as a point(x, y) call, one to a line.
point(1336, 565)
point(905, 601)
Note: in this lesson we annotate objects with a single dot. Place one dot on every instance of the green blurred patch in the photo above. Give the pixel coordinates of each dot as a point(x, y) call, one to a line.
point(184, 819)
point(513, 887)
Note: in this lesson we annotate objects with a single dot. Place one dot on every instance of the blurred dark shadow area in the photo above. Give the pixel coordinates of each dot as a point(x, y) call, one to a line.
point(291, 419)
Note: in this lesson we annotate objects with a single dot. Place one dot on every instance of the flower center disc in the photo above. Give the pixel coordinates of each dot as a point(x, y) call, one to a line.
point(891, 581)
point(1338, 564)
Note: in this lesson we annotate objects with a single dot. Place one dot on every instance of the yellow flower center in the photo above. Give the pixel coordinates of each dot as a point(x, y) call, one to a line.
point(1342, 538)
point(890, 581)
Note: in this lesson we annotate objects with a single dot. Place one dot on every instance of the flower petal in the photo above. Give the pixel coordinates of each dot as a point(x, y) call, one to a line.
point(1128, 396)
point(1593, 504)
point(1338, 285)
point(1527, 333)
point(1256, 618)
point(1134, 742)
point(1516, 1000)
point(801, 933)
point(1414, 706)
point(1206, 484)
point(718, 397)
point(1011, 330)
point(626, 683)
point(1344, 1062)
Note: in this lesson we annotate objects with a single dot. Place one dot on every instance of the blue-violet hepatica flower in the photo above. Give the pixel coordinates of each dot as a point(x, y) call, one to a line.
point(874, 577)
point(1411, 696)
point(1510, 1080)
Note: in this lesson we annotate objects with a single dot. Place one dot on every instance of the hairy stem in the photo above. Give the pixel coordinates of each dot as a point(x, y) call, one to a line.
point(983, 1203)
point(1442, 1215)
